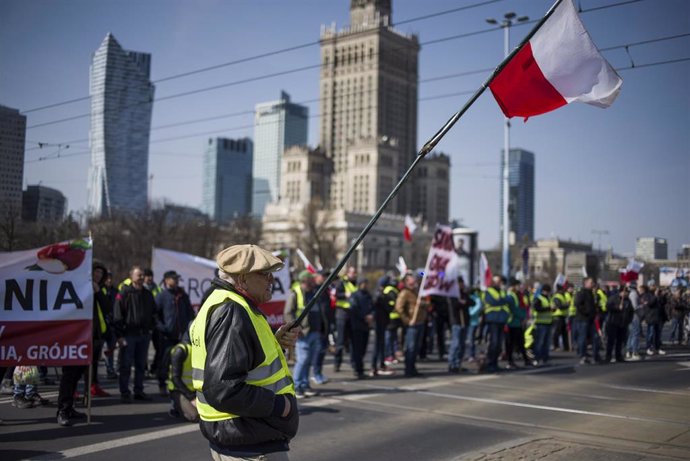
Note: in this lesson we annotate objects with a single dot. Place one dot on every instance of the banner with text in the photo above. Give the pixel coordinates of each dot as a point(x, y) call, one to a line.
point(47, 311)
point(197, 273)
point(441, 271)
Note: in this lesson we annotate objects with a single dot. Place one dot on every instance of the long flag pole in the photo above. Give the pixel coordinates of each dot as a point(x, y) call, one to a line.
point(428, 147)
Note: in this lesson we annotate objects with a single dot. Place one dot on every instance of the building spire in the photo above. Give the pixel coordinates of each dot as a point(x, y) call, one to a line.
point(370, 12)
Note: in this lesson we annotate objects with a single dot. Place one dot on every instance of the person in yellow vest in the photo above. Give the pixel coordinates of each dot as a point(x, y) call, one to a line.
point(570, 299)
point(180, 385)
point(496, 316)
point(309, 342)
point(559, 306)
point(543, 318)
point(343, 290)
point(244, 390)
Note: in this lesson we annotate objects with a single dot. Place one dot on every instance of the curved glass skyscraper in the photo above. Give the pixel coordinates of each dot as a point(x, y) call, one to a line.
point(121, 104)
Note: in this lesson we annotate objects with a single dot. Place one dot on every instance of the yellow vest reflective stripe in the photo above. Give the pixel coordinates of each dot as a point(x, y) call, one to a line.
point(496, 295)
point(272, 374)
point(603, 299)
point(543, 318)
point(300, 299)
point(126, 281)
point(393, 315)
point(155, 291)
point(570, 299)
point(349, 288)
point(561, 298)
point(186, 367)
point(101, 320)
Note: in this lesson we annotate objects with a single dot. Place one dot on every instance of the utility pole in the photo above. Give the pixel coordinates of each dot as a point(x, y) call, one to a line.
point(508, 20)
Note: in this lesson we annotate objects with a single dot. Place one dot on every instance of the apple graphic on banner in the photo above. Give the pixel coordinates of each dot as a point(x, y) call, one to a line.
point(61, 257)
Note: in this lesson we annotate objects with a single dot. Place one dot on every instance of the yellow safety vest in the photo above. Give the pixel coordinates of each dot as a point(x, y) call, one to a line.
point(272, 374)
point(127, 281)
point(603, 299)
point(101, 319)
point(543, 318)
point(393, 315)
point(496, 295)
point(570, 299)
point(300, 299)
point(186, 367)
point(561, 298)
point(349, 288)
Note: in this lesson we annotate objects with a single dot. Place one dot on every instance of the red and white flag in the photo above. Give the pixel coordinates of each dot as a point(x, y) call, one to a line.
point(560, 64)
point(307, 264)
point(485, 274)
point(631, 272)
point(410, 227)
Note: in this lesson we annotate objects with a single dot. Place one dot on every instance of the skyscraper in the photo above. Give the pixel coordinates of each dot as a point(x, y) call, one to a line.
point(521, 194)
point(277, 126)
point(43, 204)
point(368, 92)
point(227, 190)
point(12, 137)
point(121, 104)
point(651, 248)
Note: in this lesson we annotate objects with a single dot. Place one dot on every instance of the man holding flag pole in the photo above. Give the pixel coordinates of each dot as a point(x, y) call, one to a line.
point(555, 64)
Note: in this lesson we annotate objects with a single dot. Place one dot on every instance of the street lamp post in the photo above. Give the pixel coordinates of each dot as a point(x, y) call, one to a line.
point(508, 20)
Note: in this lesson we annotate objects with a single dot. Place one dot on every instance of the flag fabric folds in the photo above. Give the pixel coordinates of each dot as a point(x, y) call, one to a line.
point(410, 227)
point(560, 64)
point(485, 274)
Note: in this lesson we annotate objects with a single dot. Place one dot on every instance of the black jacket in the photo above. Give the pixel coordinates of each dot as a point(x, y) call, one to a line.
point(361, 305)
point(585, 305)
point(459, 309)
point(174, 312)
point(652, 308)
point(232, 350)
point(103, 301)
point(133, 313)
point(619, 314)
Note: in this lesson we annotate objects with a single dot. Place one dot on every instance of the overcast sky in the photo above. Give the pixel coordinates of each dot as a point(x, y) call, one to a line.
point(624, 170)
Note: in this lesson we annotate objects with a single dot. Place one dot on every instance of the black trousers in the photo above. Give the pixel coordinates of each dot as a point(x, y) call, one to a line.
point(379, 355)
point(442, 325)
point(615, 338)
point(97, 349)
point(360, 338)
point(343, 335)
point(559, 330)
point(515, 342)
point(68, 384)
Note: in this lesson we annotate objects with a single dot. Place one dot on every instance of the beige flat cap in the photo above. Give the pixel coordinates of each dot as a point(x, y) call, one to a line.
point(243, 259)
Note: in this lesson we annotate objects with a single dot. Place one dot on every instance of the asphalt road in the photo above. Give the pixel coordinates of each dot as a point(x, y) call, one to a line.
point(624, 411)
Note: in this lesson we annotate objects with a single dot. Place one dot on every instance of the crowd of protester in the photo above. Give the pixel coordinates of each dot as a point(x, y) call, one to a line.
point(505, 326)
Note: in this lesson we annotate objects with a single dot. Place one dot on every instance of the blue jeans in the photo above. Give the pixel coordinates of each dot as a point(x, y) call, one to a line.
point(634, 338)
point(413, 341)
point(458, 335)
point(542, 335)
point(134, 353)
point(307, 352)
point(24, 390)
point(585, 329)
point(676, 330)
point(654, 336)
point(320, 357)
point(471, 331)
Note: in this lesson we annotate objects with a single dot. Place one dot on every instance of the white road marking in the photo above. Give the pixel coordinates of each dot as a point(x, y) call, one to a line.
point(645, 389)
point(123, 442)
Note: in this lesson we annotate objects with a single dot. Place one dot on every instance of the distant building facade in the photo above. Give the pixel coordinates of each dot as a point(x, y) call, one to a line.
point(43, 204)
point(227, 189)
point(121, 104)
point(651, 248)
point(368, 90)
point(12, 137)
point(432, 188)
point(277, 126)
point(550, 257)
point(520, 195)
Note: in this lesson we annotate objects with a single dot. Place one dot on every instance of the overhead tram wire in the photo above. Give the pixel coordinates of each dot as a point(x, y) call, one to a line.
point(300, 69)
point(269, 54)
point(430, 79)
point(428, 98)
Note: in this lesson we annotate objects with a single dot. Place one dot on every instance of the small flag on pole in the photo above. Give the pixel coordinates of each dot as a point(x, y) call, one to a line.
point(410, 227)
point(307, 264)
point(559, 64)
point(485, 274)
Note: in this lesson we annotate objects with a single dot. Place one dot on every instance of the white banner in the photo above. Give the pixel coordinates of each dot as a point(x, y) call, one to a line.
point(47, 310)
point(441, 271)
point(668, 274)
point(196, 274)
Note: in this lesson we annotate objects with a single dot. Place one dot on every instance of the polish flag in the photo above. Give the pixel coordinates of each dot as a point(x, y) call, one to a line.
point(631, 272)
point(308, 265)
point(410, 227)
point(485, 274)
point(558, 65)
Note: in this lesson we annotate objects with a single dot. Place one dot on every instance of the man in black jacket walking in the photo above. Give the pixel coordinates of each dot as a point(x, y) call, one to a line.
point(133, 317)
point(585, 305)
point(173, 314)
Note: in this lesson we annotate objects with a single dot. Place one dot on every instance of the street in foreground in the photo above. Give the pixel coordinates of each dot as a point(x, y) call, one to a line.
point(624, 411)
